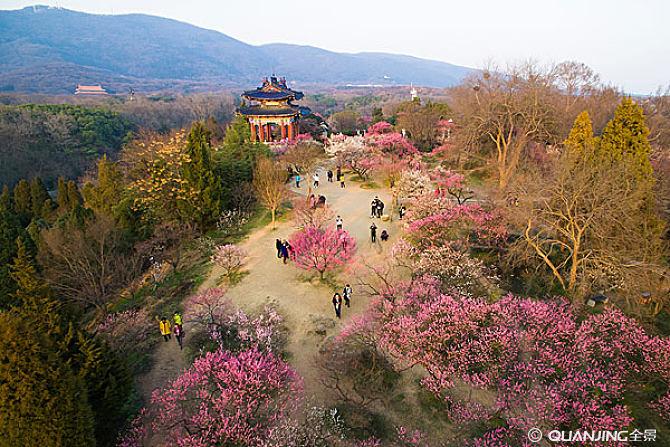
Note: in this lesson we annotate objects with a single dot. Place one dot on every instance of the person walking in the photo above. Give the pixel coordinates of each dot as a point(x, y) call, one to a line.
point(330, 175)
point(342, 185)
point(284, 251)
point(165, 328)
point(380, 208)
point(337, 303)
point(179, 335)
point(339, 173)
point(315, 177)
point(346, 293)
point(178, 320)
point(373, 232)
point(297, 180)
point(338, 223)
point(278, 244)
point(401, 211)
point(373, 207)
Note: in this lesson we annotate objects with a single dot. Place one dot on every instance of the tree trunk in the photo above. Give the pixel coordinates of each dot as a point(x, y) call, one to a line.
point(273, 212)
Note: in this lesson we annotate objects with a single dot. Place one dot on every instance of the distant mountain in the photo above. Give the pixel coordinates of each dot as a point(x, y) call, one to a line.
point(50, 50)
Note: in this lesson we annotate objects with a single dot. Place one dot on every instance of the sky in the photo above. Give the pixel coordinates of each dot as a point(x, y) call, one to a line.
point(626, 41)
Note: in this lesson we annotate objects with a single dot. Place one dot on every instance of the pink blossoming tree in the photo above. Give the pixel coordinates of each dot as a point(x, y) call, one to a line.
point(227, 399)
point(320, 249)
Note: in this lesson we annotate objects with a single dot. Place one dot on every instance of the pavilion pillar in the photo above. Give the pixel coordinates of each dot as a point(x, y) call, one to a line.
point(268, 131)
point(252, 126)
point(291, 130)
point(261, 131)
point(284, 131)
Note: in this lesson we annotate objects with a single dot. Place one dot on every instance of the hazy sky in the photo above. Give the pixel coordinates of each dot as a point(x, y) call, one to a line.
point(626, 41)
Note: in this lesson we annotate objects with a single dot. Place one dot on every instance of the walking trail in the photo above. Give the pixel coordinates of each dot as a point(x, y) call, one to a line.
point(305, 304)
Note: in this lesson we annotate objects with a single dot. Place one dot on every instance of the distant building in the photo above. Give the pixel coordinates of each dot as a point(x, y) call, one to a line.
point(414, 93)
point(96, 90)
point(271, 114)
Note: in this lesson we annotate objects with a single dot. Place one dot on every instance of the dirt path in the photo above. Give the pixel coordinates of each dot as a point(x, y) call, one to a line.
point(306, 305)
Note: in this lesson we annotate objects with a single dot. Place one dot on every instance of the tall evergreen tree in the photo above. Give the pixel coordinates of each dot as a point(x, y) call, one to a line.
point(38, 196)
point(61, 196)
point(625, 138)
point(22, 201)
point(200, 176)
point(10, 230)
point(6, 198)
point(581, 139)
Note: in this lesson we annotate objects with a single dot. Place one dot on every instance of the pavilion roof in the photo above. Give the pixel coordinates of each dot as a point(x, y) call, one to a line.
point(273, 88)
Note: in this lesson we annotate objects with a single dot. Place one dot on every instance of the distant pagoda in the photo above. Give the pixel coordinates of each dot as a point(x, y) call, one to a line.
point(270, 112)
point(96, 90)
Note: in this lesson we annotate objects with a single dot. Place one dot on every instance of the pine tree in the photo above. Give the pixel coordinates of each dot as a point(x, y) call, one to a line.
point(107, 191)
point(61, 196)
point(581, 140)
point(38, 196)
point(22, 201)
point(10, 230)
point(199, 174)
point(6, 198)
point(237, 135)
point(44, 403)
point(625, 138)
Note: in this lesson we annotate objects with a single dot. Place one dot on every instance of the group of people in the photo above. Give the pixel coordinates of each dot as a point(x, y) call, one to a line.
point(315, 202)
point(283, 250)
point(384, 236)
point(338, 299)
point(167, 328)
point(376, 208)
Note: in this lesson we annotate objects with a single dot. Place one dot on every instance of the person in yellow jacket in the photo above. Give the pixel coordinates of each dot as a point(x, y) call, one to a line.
point(165, 328)
point(177, 318)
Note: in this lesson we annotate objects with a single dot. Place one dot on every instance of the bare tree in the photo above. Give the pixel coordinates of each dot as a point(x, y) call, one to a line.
point(270, 185)
point(88, 264)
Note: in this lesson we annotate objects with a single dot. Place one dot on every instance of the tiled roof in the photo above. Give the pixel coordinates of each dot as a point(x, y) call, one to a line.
point(268, 111)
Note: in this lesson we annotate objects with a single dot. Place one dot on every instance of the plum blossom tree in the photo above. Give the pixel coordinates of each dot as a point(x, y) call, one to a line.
point(227, 399)
point(229, 257)
point(321, 250)
point(544, 366)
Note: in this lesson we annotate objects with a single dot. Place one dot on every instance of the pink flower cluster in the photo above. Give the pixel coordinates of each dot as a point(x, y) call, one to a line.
point(227, 399)
point(543, 366)
point(322, 249)
point(380, 128)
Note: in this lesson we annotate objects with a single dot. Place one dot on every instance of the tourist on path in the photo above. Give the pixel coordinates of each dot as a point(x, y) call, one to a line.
point(330, 175)
point(338, 223)
point(384, 236)
point(178, 320)
point(373, 207)
point(315, 177)
point(373, 232)
point(337, 303)
point(321, 202)
point(179, 335)
point(312, 201)
point(342, 185)
point(165, 328)
point(339, 173)
point(279, 245)
point(401, 211)
point(297, 180)
point(346, 293)
point(284, 251)
point(380, 208)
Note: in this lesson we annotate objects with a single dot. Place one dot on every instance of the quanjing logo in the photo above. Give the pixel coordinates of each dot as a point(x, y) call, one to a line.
point(535, 435)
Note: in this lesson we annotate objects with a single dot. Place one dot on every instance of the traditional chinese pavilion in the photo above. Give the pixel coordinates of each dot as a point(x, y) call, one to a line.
point(271, 114)
point(96, 90)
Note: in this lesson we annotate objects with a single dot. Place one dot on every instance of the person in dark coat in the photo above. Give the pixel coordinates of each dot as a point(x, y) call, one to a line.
point(380, 208)
point(339, 173)
point(330, 175)
point(401, 211)
point(384, 236)
point(279, 245)
point(284, 251)
point(337, 303)
point(373, 232)
point(373, 207)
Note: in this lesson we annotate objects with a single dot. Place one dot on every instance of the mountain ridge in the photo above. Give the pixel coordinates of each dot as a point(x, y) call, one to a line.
point(45, 49)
